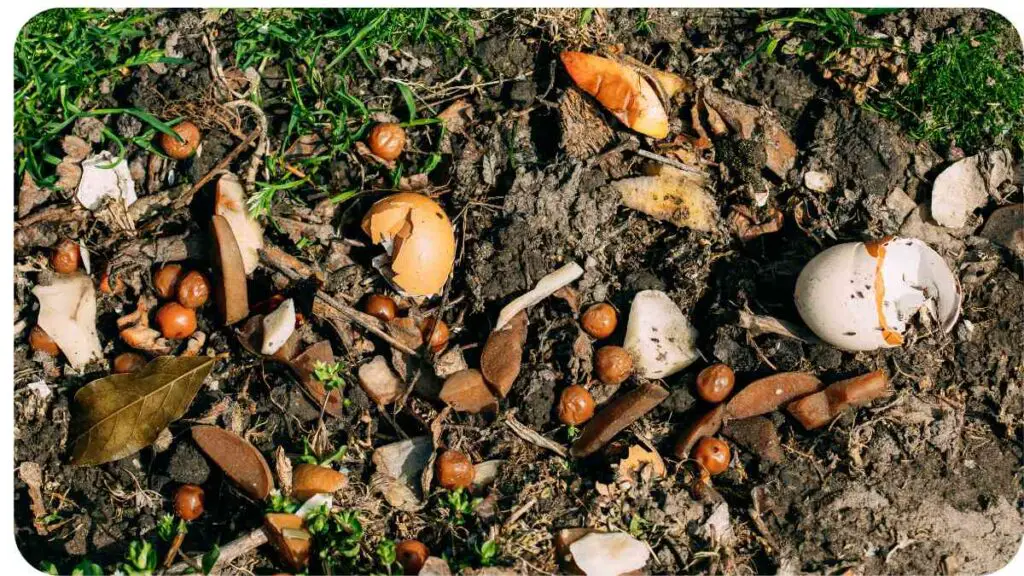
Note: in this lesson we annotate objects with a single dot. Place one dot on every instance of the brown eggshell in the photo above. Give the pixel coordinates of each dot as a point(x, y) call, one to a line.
point(289, 538)
point(423, 250)
point(620, 89)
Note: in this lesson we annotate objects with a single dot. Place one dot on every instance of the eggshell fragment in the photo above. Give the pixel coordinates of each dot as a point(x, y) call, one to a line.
point(67, 312)
point(231, 204)
point(278, 326)
point(418, 238)
point(659, 336)
point(102, 182)
point(620, 89)
point(859, 296)
point(609, 553)
point(678, 197)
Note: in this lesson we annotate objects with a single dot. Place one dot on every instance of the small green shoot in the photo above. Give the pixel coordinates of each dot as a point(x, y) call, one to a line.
point(331, 375)
point(386, 555)
point(488, 553)
point(141, 559)
point(281, 503)
point(210, 559)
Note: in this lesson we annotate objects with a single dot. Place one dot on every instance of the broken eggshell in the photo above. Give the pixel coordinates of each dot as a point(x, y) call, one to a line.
point(419, 240)
point(673, 196)
point(278, 326)
point(659, 336)
point(105, 177)
point(67, 312)
point(860, 296)
point(231, 204)
point(620, 89)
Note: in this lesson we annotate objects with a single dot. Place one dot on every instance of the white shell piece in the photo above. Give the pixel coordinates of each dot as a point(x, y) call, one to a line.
point(67, 312)
point(609, 553)
point(659, 336)
point(278, 327)
point(100, 181)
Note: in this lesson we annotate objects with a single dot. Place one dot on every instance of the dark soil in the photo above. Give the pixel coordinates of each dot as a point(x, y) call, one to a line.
point(928, 480)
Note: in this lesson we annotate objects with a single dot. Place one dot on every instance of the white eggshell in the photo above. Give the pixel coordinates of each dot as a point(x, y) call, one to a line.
point(837, 299)
point(67, 312)
point(278, 327)
point(659, 336)
point(609, 554)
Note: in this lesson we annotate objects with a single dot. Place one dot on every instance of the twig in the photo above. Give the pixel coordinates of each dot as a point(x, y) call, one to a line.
point(186, 198)
point(173, 552)
point(534, 437)
point(262, 147)
point(287, 264)
point(519, 513)
point(668, 162)
point(326, 306)
point(237, 547)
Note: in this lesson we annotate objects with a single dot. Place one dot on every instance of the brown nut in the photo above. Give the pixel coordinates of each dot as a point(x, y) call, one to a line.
point(438, 339)
point(387, 140)
point(188, 502)
point(713, 454)
point(165, 280)
point(454, 470)
point(380, 306)
point(180, 150)
point(576, 406)
point(128, 362)
point(599, 320)
point(715, 382)
point(66, 257)
point(411, 555)
point(40, 341)
point(193, 290)
point(175, 321)
point(613, 364)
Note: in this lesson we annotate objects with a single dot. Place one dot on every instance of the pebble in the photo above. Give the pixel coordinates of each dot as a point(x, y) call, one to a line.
point(435, 566)
point(1006, 227)
point(380, 382)
point(818, 181)
point(966, 185)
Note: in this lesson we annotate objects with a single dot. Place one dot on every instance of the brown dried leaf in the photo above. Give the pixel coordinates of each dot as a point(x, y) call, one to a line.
point(637, 459)
point(240, 460)
point(123, 413)
point(30, 195)
point(502, 356)
point(304, 364)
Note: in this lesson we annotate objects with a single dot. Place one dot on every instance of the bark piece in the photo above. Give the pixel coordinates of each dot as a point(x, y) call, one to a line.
point(616, 416)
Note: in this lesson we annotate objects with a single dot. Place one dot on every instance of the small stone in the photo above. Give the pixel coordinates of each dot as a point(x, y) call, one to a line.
point(380, 382)
point(758, 435)
point(818, 181)
point(899, 203)
point(187, 465)
point(1006, 227)
point(404, 460)
point(966, 186)
point(466, 391)
point(435, 566)
point(609, 554)
point(76, 148)
point(278, 326)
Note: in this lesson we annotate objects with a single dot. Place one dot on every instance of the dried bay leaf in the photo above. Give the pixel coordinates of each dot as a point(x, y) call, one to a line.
point(121, 414)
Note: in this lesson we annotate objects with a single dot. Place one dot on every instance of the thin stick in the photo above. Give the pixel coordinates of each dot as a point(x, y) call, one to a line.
point(173, 552)
point(186, 198)
point(237, 547)
point(668, 161)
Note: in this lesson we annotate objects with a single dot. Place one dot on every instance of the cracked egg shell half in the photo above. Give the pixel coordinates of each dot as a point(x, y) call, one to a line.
point(861, 296)
point(419, 240)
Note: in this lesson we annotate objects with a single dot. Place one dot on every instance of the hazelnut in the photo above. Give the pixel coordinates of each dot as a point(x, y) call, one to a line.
point(188, 502)
point(175, 321)
point(599, 320)
point(128, 362)
point(715, 382)
point(576, 406)
point(387, 140)
point(193, 290)
point(613, 364)
point(40, 341)
point(66, 257)
point(438, 339)
point(411, 554)
point(383, 307)
point(180, 150)
point(165, 280)
point(712, 454)
point(454, 470)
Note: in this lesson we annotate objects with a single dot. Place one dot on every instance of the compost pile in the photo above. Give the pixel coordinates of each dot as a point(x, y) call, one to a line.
point(538, 317)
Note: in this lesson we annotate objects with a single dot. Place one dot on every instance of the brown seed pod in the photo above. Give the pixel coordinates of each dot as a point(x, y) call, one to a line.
point(188, 502)
point(816, 410)
point(713, 454)
point(439, 337)
point(180, 150)
point(387, 140)
point(599, 320)
point(575, 406)
point(128, 362)
point(66, 257)
point(165, 280)
point(715, 382)
point(767, 394)
point(613, 364)
point(411, 555)
point(454, 470)
point(707, 425)
point(193, 290)
point(40, 341)
point(380, 306)
point(176, 321)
